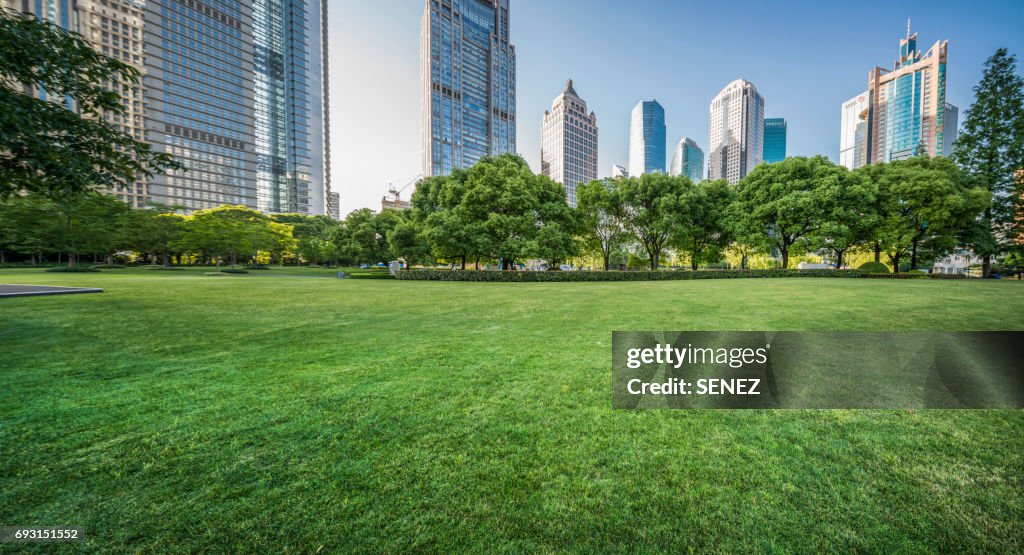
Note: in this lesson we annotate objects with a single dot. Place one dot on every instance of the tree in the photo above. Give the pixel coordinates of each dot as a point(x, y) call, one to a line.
point(312, 235)
point(408, 242)
point(705, 221)
point(601, 209)
point(924, 206)
point(447, 231)
point(991, 148)
point(652, 203)
point(156, 231)
point(46, 148)
point(90, 223)
point(787, 202)
point(225, 231)
point(367, 233)
point(851, 220)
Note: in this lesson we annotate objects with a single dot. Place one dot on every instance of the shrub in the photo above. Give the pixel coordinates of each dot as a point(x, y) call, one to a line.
point(75, 270)
point(368, 275)
point(162, 269)
point(108, 266)
point(216, 274)
point(233, 271)
point(257, 267)
point(902, 275)
point(874, 268)
point(471, 275)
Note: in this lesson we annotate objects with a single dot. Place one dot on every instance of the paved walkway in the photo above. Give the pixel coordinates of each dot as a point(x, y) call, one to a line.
point(9, 290)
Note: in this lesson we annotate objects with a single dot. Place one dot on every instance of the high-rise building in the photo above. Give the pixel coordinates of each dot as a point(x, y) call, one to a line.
point(951, 125)
point(688, 160)
point(468, 83)
point(619, 171)
point(647, 139)
point(735, 131)
point(236, 91)
point(908, 104)
point(853, 123)
point(774, 140)
point(334, 206)
point(568, 152)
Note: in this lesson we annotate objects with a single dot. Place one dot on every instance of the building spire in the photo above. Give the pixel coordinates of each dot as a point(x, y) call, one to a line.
point(908, 28)
point(569, 89)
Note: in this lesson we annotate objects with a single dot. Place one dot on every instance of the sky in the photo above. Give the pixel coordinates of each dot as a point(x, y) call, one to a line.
point(805, 58)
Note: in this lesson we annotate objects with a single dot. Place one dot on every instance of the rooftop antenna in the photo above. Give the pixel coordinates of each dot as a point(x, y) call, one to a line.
point(908, 28)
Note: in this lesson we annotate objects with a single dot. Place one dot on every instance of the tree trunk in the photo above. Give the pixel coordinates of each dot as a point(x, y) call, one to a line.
point(167, 259)
point(72, 260)
point(986, 265)
point(839, 258)
point(33, 256)
point(913, 254)
point(654, 261)
point(218, 264)
point(463, 262)
point(878, 253)
point(785, 256)
point(606, 260)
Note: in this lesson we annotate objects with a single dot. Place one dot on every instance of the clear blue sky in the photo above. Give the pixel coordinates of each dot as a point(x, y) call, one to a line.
point(805, 58)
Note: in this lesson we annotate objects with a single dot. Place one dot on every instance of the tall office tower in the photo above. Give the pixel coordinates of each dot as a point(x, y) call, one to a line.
point(334, 208)
point(908, 104)
point(568, 152)
point(854, 119)
point(688, 160)
point(234, 90)
point(735, 131)
point(113, 27)
point(647, 139)
point(236, 94)
point(774, 140)
point(468, 83)
point(619, 171)
point(951, 128)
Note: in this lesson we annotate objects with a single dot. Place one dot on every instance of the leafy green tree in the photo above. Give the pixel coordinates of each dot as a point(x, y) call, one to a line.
point(924, 206)
point(313, 236)
point(407, 241)
point(507, 207)
point(155, 231)
point(653, 204)
point(851, 220)
point(601, 209)
point(991, 149)
point(366, 234)
point(90, 223)
point(787, 202)
point(28, 225)
point(226, 231)
point(704, 220)
point(46, 148)
point(445, 228)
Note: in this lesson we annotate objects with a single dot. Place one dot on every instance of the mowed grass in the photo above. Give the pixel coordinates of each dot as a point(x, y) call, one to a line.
point(182, 413)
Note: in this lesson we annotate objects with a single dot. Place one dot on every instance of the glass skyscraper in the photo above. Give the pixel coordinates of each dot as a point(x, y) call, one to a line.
point(647, 139)
point(235, 89)
point(774, 140)
point(468, 79)
point(688, 160)
point(908, 104)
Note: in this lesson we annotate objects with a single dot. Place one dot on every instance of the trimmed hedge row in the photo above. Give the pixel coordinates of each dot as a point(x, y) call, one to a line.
point(915, 276)
point(474, 275)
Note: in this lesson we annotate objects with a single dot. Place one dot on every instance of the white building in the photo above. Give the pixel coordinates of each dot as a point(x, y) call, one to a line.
point(568, 152)
point(735, 132)
point(619, 171)
point(956, 263)
point(854, 119)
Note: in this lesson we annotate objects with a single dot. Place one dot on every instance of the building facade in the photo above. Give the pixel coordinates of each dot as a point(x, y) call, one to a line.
point(688, 160)
point(774, 140)
point(908, 104)
point(619, 171)
point(735, 131)
point(853, 132)
point(468, 83)
point(236, 91)
point(568, 152)
point(647, 139)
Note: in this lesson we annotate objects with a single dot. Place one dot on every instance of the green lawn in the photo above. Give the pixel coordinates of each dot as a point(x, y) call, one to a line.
point(183, 413)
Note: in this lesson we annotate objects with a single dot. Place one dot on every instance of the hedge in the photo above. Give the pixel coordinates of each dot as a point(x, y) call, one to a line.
point(476, 275)
point(907, 275)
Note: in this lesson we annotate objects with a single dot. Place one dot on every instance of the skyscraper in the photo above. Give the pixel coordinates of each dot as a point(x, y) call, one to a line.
point(774, 140)
point(951, 129)
point(647, 139)
point(468, 83)
point(619, 171)
point(688, 160)
point(908, 104)
point(735, 131)
point(236, 91)
point(853, 125)
point(568, 152)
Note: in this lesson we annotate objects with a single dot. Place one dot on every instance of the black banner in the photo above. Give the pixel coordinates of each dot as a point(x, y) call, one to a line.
point(817, 370)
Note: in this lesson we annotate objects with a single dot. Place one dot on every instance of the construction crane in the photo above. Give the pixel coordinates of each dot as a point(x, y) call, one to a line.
point(394, 197)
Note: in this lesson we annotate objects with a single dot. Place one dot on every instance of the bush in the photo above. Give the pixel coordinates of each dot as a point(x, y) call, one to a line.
point(233, 271)
point(162, 269)
point(471, 275)
point(216, 274)
point(902, 275)
point(368, 275)
point(874, 268)
point(75, 270)
point(108, 266)
point(257, 267)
